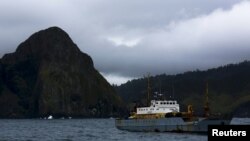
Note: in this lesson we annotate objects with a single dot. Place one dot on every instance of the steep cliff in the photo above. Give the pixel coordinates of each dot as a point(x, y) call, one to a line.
point(48, 74)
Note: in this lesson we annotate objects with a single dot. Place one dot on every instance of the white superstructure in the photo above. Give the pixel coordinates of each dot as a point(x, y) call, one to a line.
point(159, 107)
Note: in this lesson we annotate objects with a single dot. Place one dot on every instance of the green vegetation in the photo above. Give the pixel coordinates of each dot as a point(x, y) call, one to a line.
point(229, 88)
point(49, 75)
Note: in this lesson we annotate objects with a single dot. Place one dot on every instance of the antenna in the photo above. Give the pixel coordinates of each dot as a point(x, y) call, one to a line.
point(173, 90)
point(206, 105)
point(148, 97)
point(162, 95)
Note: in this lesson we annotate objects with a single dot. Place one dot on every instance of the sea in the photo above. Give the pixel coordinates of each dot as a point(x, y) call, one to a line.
point(85, 130)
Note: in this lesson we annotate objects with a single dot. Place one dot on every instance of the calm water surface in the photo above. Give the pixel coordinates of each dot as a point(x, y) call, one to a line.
point(85, 130)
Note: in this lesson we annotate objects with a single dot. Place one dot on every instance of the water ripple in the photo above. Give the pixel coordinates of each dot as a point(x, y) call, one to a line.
point(84, 129)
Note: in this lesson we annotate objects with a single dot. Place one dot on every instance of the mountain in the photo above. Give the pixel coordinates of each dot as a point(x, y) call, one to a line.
point(228, 89)
point(49, 75)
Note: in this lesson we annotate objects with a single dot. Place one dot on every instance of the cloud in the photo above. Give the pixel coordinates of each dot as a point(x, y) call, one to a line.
point(120, 41)
point(127, 39)
point(116, 79)
point(202, 42)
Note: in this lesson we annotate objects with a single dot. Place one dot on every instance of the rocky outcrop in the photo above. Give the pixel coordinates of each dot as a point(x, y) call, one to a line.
point(48, 74)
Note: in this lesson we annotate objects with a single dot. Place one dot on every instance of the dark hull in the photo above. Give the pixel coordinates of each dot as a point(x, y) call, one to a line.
point(172, 124)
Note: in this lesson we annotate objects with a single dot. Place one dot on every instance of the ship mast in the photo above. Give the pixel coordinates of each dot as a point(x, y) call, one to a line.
point(206, 105)
point(148, 89)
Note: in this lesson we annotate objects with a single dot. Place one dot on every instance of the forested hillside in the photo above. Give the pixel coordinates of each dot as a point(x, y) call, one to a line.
point(228, 86)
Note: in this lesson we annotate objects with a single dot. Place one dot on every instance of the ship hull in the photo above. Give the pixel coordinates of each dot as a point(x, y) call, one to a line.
point(174, 124)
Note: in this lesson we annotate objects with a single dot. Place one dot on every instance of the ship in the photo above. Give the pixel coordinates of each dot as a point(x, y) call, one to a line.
point(164, 116)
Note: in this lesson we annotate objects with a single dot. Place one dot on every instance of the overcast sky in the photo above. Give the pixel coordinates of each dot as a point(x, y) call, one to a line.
point(129, 38)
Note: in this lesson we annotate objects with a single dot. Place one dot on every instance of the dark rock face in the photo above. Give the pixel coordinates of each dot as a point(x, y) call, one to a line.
point(48, 74)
